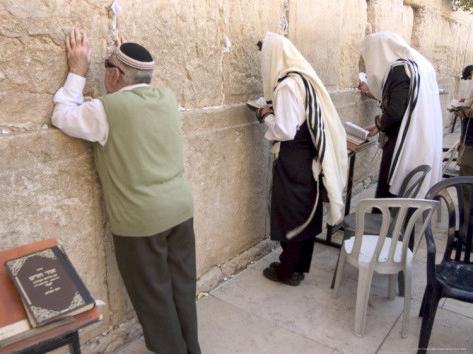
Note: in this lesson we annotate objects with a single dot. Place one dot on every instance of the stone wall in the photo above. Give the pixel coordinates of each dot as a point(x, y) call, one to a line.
point(206, 52)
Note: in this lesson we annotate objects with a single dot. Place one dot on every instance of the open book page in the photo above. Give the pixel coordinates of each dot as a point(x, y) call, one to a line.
point(254, 105)
point(456, 104)
point(356, 134)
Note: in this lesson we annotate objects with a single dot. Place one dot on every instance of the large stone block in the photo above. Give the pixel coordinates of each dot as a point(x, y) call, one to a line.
point(186, 37)
point(32, 62)
point(227, 163)
point(329, 34)
point(351, 107)
point(33, 150)
point(246, 22)
point(390, 15)
point(450, 51)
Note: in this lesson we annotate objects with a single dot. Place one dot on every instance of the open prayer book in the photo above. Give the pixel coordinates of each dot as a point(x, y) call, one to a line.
point(254, 105)
point(356, 134)
point(456, 104)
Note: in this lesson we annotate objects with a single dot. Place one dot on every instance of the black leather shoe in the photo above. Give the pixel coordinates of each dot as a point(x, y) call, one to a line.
point(272, 274)
point(295, 274)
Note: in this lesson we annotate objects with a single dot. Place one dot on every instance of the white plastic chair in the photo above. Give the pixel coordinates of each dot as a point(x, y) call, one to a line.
point(386, 253)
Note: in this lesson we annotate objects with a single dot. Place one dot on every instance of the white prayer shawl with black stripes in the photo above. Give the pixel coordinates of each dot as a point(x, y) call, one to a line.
point(419, 140)
point(279, 58)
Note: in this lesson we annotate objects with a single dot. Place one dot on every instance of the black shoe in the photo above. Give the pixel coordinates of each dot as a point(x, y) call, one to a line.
point(295, 274)
point(272, 274)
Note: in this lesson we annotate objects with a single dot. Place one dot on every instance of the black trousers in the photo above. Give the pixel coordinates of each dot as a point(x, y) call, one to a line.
point(160, 278)
point(382, 189)
point(296, 256)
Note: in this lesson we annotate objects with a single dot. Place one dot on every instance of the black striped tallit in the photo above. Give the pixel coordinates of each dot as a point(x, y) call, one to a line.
point(316, 128)
point(413, 72)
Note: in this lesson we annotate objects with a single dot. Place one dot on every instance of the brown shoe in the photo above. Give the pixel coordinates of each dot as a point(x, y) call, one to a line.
point(272, 274)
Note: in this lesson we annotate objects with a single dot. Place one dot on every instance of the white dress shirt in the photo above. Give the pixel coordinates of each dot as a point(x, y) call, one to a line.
point(79, 119)
point(289, 112)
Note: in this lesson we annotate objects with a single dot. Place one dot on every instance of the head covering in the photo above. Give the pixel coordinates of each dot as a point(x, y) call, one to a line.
point(380, 50)
point(135, 56)
point(420, 136)
point(279, 57)
point(466, 72)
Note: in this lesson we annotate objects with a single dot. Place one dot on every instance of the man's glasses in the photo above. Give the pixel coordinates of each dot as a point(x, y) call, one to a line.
point(109, 64)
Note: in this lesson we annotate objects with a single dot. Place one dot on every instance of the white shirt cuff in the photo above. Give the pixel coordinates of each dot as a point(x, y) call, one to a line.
point(74, 84)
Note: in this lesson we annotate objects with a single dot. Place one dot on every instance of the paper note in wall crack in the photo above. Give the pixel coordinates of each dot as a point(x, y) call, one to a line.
point(116, 8)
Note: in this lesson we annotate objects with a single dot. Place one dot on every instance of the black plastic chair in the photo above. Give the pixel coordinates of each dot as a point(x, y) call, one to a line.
point(453, 277)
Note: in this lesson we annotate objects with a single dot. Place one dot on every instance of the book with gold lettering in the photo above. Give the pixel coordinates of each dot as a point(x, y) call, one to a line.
point(49, 286)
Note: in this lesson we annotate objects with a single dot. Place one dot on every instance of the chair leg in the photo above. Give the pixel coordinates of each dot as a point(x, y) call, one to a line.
point(365, 276)
point(400, 282)
point(407, 302)
point(392, 280)
point(423, 306)
point(335, 271)
point(428, 321)
point(339, 273)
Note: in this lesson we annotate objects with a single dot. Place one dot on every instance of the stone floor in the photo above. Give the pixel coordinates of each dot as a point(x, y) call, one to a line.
point(250, 314)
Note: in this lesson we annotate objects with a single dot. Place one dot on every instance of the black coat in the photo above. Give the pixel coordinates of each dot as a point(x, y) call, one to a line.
point(294, 189)
point(393, 105)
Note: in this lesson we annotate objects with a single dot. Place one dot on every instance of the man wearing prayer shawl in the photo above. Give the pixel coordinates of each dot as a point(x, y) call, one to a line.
point(405, 83)
point(310, 156)
point(139, 159)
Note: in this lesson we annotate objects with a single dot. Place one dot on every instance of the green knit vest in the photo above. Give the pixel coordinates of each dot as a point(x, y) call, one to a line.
point(141, 166)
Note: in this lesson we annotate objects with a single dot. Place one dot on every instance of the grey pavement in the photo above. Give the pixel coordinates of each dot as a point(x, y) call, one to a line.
point(250, 314)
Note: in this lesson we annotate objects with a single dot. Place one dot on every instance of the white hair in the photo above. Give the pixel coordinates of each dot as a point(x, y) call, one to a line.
point(134, 76)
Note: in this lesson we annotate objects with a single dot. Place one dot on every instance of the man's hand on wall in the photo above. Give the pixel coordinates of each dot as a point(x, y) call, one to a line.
point(78, 52)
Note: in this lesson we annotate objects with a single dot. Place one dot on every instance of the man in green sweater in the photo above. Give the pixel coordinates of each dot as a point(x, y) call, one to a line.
point(138, 152)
